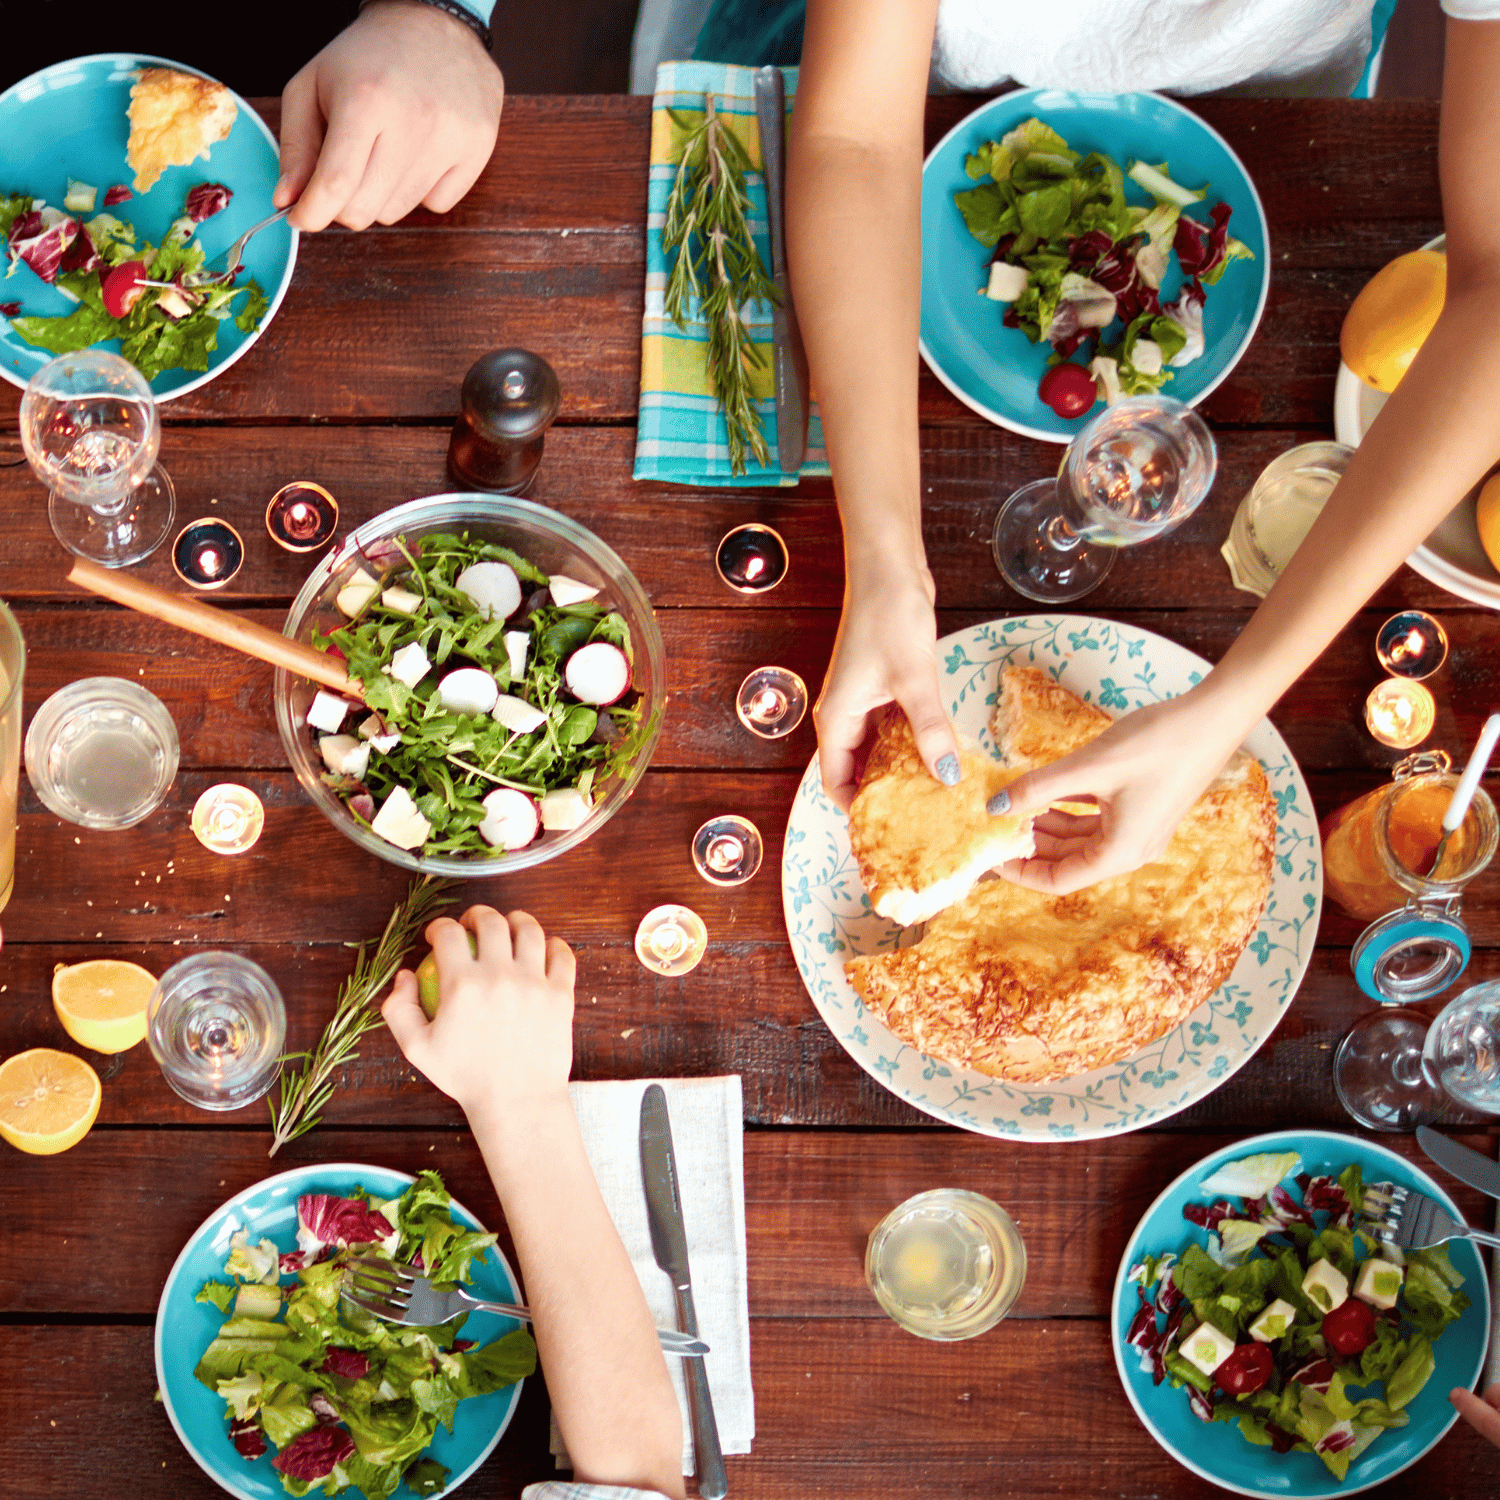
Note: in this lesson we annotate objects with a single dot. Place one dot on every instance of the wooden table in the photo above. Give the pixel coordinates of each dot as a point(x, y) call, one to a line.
point(355, 384)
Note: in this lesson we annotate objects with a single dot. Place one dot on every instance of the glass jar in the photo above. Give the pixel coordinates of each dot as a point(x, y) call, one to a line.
point(1377, 863)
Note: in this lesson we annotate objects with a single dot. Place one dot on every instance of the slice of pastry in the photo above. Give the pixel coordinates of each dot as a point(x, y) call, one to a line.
point(921, 845)
point(174, 117)
point(1037, 721)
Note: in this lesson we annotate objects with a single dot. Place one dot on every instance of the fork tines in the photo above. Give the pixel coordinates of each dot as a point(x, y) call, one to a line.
point(382, 1280)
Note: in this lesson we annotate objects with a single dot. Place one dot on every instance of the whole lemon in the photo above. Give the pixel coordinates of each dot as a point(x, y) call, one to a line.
point(1392, 316)
point(427, 979)
point(1487, 513)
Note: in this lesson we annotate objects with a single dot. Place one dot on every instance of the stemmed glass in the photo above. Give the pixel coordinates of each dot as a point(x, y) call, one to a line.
point(1395, 1070)
point(1141, 467)
point(91, 433)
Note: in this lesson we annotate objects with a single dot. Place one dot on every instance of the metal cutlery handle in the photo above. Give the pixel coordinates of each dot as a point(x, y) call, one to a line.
point(770, 113)
point(671, 1340)
point(713, 1482)
point(1482, 1236)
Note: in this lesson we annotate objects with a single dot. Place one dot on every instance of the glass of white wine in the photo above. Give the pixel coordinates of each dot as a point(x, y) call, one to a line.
point(91, 433)
point(1139, 469)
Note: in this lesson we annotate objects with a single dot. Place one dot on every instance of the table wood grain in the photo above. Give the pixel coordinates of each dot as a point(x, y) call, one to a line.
point(355, 384)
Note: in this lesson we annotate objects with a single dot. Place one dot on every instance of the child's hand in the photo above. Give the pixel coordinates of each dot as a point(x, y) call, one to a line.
point(1482, 1416)
point(503, 1035)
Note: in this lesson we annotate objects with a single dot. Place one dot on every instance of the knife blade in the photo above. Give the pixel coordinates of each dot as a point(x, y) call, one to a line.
point(786, 337)
point(669, 1244)
point(1466, 1165)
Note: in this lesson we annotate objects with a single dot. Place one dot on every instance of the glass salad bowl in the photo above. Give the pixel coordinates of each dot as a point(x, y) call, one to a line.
point(546, 538)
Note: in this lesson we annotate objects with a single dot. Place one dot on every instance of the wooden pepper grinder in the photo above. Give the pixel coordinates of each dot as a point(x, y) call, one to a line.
point(509, 400)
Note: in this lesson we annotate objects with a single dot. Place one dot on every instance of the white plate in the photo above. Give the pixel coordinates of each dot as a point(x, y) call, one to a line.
point(1452, 557)
point(829, 919)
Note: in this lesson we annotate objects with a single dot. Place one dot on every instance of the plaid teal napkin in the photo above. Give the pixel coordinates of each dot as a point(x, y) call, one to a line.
point(680, 436)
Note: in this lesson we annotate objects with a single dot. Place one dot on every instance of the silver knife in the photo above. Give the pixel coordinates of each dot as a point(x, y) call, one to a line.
point(669, 1242)
point(791, 358)
point(1468, 1166)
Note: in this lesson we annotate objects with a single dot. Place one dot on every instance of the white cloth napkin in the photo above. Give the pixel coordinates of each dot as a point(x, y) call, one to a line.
point(709, 1140)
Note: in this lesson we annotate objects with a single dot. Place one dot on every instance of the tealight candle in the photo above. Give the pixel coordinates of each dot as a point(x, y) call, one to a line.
point(671, 939)
point(228, 819)
point(771, 702)
point(302, 516)
point(751, 559)
point(207, 553)
point(1400, 713)
point(1411, 644)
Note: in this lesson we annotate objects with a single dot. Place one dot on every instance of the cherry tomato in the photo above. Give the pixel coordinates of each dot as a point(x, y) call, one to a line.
point(121, 289)
point(1349, 1327)
point(1068, 389)
point(1246, 1370)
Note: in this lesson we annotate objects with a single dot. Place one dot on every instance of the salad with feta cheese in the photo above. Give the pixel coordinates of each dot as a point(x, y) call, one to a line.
point(1076, 266)
point(497, 698)
point(345, 1399)
point(1288, 1320)
point(151, 298)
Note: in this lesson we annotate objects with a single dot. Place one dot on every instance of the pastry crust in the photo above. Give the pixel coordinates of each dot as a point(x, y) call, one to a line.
point(1029, 987)
point(174, 117)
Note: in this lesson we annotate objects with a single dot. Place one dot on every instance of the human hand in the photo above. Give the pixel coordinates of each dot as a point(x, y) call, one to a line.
point(1482, 1416)
point(886, 652)
point(503, 1034)
point(400, 109)
point(1143, 773)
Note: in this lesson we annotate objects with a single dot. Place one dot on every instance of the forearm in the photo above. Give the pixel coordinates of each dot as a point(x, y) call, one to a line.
point(606, 1375)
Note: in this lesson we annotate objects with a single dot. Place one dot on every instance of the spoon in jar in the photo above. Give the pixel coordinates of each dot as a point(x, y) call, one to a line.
point(1468, 783)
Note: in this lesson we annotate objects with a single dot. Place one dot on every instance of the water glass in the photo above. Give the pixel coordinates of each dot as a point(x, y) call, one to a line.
point(1139, 469)
point(946, 1265)
point(91, 433)
point(216, 1026)
point(1280, 510)
point(12, 671)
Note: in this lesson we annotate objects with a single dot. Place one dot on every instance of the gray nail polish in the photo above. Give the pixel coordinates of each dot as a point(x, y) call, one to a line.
point(999, 803)
point(947, 769)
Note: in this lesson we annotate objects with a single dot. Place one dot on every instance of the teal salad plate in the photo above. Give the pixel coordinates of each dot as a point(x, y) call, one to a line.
point(1215, 1450)
point(995, 370)
point(829, 919)
point(184, 1328)
point(69, 120)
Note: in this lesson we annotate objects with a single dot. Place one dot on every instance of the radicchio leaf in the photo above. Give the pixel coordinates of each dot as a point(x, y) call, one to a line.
point(248, 1439)
point(207, 199)
point(10, 309)
point(1202, 1406)
point(322, 1408)
point(119, 193)
point(1210, 1215)
point(81, 254)
point(312, 1455)
point(1325, 1194)
point(1289, 1209)
point(1336, 1439)
point(1282, 1441)
point(1317, 1374)
point(41, 247)
point(324, 1219)
point(1200, 247)
point(350, 1364)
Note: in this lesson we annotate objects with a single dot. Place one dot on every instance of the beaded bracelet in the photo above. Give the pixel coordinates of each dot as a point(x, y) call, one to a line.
point(459, 12)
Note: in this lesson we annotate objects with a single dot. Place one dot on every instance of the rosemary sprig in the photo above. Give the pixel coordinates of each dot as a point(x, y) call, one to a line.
point(305, 1093)
point(718, 264)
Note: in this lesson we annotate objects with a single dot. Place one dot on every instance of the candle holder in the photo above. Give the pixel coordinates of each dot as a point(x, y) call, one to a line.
point(228, 819)
point(207, 554)
point(1412, 645)
point(671, 940)
point(752, 559)
point(302, 516)
point(1400, 713)
point(727, 850)
point(771, 702)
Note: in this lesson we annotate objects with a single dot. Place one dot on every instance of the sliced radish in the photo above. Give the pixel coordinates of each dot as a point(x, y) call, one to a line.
point(468, 691)
point(494, 588)
point(510, 819)
point(362, 805)
point(122, 288)
point(597, 673)
point(400, 821)
point(565, 808)
point(327, 712)
point(517, 643)
point(359, 588)
point(566, 591)
point(344, 755)
point(403, 601)
point(517, 715)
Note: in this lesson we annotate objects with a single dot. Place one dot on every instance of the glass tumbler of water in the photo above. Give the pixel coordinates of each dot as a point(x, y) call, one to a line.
point(216, 1026)
point(947, 1264)
point(91, 433)
point(1140, 468)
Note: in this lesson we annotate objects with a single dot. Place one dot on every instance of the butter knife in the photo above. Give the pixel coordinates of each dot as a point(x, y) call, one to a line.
point(1468, 1166)
point(669, 1242)
point(791, 358)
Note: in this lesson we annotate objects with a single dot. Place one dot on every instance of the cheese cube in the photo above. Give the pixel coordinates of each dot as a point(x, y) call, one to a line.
point(344, 755)
point(327, 712)
point(401, 822)
point(1326, 1285)
point(381, 737)
point(1007, 282)
point(1206, 1348)
point(403, 601)
point(1273, 1322)
point(356, 593)
point(410, 665)
point(1379, 1282)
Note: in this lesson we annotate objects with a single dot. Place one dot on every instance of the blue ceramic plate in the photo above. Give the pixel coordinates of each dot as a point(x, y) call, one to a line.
point(1215, 1450)
point(184, 1329)
point(69, 121)
point(993, 369)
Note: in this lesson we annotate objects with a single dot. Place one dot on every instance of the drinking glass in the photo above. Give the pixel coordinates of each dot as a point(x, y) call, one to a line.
point(12, 671)
point(1140, 468)
point(216, 1025)
point(1280, 510)
point(1395, 1070)
point(946, 1265)
point(91, 433)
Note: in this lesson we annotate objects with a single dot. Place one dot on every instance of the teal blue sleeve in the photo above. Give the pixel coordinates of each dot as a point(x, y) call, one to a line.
point(480, 8)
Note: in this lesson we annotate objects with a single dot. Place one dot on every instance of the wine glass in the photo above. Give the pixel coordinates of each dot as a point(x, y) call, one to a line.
point(1395, 1070)
point(1141, 467)
point(91, 433)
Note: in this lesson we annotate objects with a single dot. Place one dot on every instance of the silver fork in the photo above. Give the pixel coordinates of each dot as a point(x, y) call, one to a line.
point(237, 252)
point(1410, 1220)
point(398, 1294)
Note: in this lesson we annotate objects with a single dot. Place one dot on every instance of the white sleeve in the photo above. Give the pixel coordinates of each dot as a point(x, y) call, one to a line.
point(1472, 10)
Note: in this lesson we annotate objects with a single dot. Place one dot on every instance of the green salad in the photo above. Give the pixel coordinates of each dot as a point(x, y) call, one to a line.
point(345, 1399)
point(497, 699)
point(1290, 1321)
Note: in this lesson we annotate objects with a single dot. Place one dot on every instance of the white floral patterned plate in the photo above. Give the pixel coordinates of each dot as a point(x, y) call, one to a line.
point(829, 919)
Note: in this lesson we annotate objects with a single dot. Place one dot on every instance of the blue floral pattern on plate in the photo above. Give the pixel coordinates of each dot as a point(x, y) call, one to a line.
point(829, 918)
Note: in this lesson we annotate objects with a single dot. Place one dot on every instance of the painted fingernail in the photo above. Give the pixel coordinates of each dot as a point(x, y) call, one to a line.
point(999, 803)
point(947, 769)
